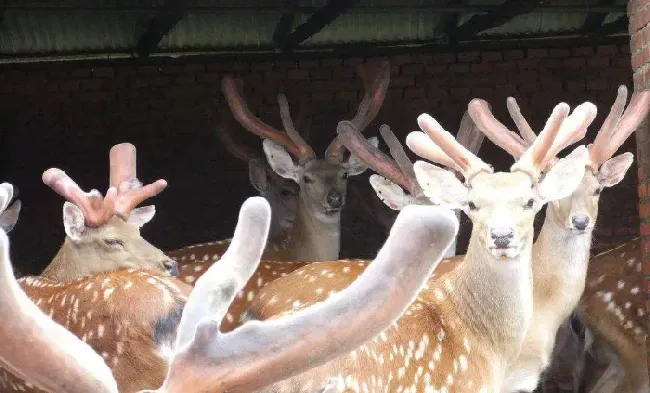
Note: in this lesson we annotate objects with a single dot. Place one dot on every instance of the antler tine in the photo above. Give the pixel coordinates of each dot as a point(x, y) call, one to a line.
point(375, 93)
point(573, 129)
point(122, 159)
point(245, 117)
point(241, 361)
point(237, 149)
point(373, 157)
point(469, 135)
point(420, 144)
point(97, 211)
point(521, 123)
point(40, 351)
point(533, 158)
point(306, 152)
point(635, 113)
point(500, 135)
point(467, 163)
point(397, 151)
point(130, 191)
point(597, 149)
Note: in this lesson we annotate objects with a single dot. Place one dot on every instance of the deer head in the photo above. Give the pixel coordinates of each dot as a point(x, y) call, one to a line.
point(281, 193)
point(203, 359)
point(103, 233)
point(8, 213)
point(322, 181)
point(578, 211)
point(501, 205)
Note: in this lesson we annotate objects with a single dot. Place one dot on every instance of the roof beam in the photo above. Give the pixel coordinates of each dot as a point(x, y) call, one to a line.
point(315, 23)
point(496, 17)
point(285, 23)
point(594, 20)
point(161, 24)
point(448, 21)
point(619, 26)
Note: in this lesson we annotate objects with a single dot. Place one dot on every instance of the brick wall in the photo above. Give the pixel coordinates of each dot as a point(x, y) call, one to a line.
point(639, 15)
point(68, 115)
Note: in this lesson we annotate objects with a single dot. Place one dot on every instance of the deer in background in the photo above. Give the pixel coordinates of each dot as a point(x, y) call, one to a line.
point(316, 231)
point(281, 193)
point(396, 176)
point(201, 359)
point(562, 250)
point(103, 232)
point(466, 327)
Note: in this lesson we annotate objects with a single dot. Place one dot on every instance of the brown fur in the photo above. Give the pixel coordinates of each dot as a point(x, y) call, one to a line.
point(128, 330)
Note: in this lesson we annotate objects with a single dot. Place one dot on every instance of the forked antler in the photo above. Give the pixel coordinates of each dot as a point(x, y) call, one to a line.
point(123, 176)
point(259, 352)
point(619, 125)
point(402, 174)
point(290, 140)
point(376, 78)
point(534, 153)
point(97, 210)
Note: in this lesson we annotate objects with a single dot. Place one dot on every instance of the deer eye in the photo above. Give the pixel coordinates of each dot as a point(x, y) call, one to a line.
point(344, 175)
point(114, 242)
point(598, 191)
point(529, 204)
point(472, 206)
point(289, 192)
point(307, 179)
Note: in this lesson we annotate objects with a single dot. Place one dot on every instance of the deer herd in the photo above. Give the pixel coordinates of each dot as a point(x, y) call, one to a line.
point(112, 313)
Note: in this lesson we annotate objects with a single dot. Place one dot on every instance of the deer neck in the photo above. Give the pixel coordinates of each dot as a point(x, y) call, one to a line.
point(63, 268)
point(494, 297)
point(315, 236)
point(560, 260)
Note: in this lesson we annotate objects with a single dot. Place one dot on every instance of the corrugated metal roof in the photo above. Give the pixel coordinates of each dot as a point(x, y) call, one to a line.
point(114, 26)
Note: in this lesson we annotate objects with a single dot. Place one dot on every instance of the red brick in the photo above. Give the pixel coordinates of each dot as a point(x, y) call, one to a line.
point(622, 62)
point(624, 49)
point(414, 92)
point(297, 74)
point(149, 69)
point(402, 81)
point(433, 69)
point(537, 53)
point(322, 96)
point(608, 49)
point(640, 58)
point(344, 73)
point(469, 56)
point(138, 82)
point(159, 81)
point(462, 68)
point(514, 54)
point(103, 72)
point(443, 58)
point(462, 92)
point(353, 61)
point(529, 63)
point(194, 68)
point(125, 71)
point(584, 51)
point(481, 67)
point(559, 52)
point(91, 84)
point(645, 229)
point(71, 85)
point(489, 57)
point(332, 62)
point(575, 86)
point(412, 69)
point(261, 66)
point(601, 62)
point(574, 62)
point(402, 59)
point(209, 77)
point(643, 190)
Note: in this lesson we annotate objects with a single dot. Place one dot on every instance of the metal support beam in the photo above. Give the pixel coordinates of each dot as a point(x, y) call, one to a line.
point(285, 24)
point(594, 20)
point(494, 18)
point(315, 23)
point(619, 26)
point(161, 24)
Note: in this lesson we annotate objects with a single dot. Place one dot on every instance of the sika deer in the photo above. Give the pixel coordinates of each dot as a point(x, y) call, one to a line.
point(316, 232)
point(202, 359)
point(281, 193)
point(465, 328)
point(103, 233)
point(561, 252)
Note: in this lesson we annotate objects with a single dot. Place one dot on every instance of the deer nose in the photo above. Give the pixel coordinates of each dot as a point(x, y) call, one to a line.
point(171, 266)
point(502, 236)
point(334, 199)
point(580, 222)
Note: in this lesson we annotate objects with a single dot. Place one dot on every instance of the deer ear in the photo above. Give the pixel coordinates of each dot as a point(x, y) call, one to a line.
point(441, 186)
point(73, 221)
point(390, 193)
point(613, 170)
point(354, 166)
point(9, 217)
point(281, 161)
point(564, 177)
point(142, 215)
point(257, 176)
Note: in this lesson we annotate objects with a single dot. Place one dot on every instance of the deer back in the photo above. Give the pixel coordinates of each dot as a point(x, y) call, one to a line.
point(129, 317)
